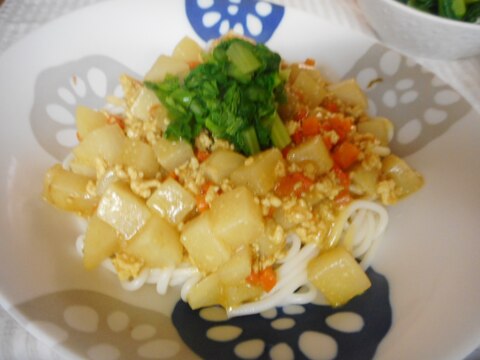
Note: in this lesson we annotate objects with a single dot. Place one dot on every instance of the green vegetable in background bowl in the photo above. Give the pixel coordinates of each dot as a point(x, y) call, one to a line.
point(464, 10)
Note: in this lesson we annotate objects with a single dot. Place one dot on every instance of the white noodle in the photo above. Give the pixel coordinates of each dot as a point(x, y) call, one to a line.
point(136, 283)
point(155, 275)
point(107, 264)
point(381, 150)
point(295, 244)
point(301, 297)
point(67, 161)
point(164, 280)
point(79, 244)
point(369, 221)
point(297, 260)
point(181, 275)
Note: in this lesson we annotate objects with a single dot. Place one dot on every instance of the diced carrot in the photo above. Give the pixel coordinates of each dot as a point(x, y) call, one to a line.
point(345, 154)
point(301, 114)
point(295, 183)
point(205, 186)
point(173, 175)
point(271, 212)
point(331, 106)
point(193, 64)
point(341, 126)
point(310, 62)
point(202, 155)
point(343, 198)
point(286, 150)
point(328, 142)
point(115, 119)
point(79, 138)
point(266, 278)
point(202, 204)
point(342, 176)
point(297, 137)
point(311, 126)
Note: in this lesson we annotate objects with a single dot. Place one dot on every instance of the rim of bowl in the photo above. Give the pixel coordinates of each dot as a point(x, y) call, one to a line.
point(441, 20)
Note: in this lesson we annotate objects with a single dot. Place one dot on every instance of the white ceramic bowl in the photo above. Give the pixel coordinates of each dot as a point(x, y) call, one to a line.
point(420, 34)
point(423, 276)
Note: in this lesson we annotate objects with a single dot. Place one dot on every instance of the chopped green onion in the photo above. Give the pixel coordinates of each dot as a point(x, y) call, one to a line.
point(422, 5)
point(473, 13)
point(250, 139)
point(279, 133)
point(452, 9)
point(235, 72)
point(243, 58)
point(285, 73)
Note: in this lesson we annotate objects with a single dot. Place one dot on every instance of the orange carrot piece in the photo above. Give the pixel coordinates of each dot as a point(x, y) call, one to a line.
point(331, 106)
point(202, 155)
point(286, 150)
point(294, 183)
point(301, 114)
point(297, 137)
point(311, 126)
point(202, 204)
point(341, 126)
point(344, 197)
point(328, 142)
point(266, 278)
point(173, 175)
point(115, 119)
point(193, 64)
point(342, 176)
point(205, 186)
point(345, 154)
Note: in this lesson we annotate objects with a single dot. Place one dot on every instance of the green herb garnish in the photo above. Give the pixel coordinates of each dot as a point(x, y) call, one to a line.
point(464, 10)
point(233, 94)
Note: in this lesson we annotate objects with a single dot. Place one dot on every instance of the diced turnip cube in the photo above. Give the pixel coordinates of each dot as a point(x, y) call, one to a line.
point(205, 249)
point(123, 210)
point(172, 201)
point(158, 243)
point(338, 276)
point(236, 217)
point(101, 241)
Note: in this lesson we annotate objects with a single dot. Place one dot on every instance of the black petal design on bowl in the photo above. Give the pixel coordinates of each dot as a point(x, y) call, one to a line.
point(361, 343)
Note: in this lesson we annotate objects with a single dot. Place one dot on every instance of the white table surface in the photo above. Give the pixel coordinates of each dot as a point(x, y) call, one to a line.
point(19, 17)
